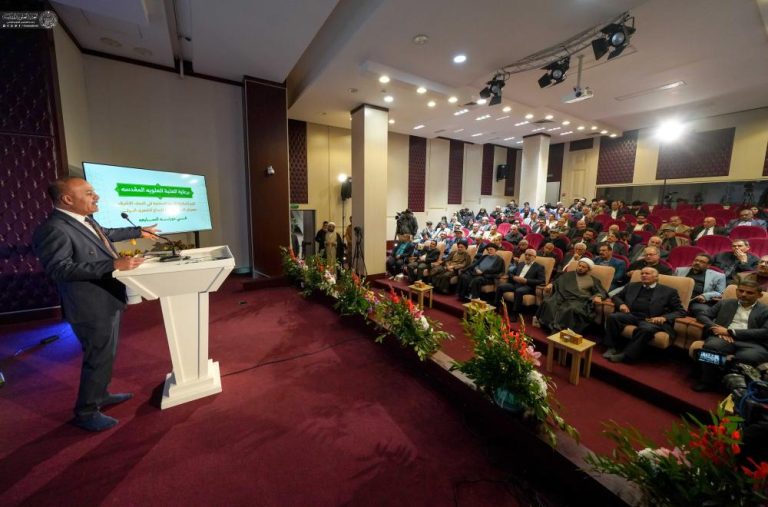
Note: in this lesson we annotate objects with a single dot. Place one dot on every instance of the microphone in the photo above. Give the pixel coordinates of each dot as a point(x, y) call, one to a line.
point(174, 255)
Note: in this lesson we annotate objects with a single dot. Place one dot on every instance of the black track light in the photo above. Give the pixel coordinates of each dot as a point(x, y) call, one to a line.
point(493, 90)
point(556, 72)
point(615, 39)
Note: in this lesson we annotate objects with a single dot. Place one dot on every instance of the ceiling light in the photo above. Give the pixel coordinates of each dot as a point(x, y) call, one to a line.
point(417, 127)
point(502, 117)
point(509, 138)
point(556, 72)
point(421, 89)
point(580, 127)
point(493, 89)
point(459, 58)
point(553, 129)
point(460, 112)
point(388, 98)
point(529, 116)
point(391, 121)
point(384, 79)
point(453, 100)
point(615, 38)
point(458, 130)
point(539, 129)
point(519, 142)
point(480, 102)
point(478, 134)
point(520, 123)
point(483, 117)
point(670, 131)
point(549, 117)
point(566, 122)
point(603, 132)
point(507, 109)
point(593, 127)
point(612, 135)
point(342, 178)
point(431, 103)
point(566, 133)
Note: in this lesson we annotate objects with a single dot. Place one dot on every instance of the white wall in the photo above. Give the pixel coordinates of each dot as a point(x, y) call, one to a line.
point(123, 114)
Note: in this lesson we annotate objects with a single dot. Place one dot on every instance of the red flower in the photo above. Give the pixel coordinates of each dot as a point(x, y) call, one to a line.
point(759, 473)
point(735, 435)
point(735, 449)
point(394, 297)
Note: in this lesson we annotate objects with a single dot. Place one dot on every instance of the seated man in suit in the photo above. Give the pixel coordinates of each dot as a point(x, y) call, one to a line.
point(760, 275)
point(578, 252)
point(737, 328)
point(676, 223)
point(606, 258)
point(651, 258)
point(429, 254)
point(513, 235)
point(746, 217)
point(528, 275)
point(483, 271)
point(443, 271)
point(79, 256)
point(647, 304)
point(708, 284)
point(737, 260)
point(670, 239)
point(400, 255)
point(642, 224)
point(707, 228)
point(571, 303)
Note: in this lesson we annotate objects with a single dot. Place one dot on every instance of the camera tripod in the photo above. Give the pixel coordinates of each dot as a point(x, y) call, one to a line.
point(357, 264)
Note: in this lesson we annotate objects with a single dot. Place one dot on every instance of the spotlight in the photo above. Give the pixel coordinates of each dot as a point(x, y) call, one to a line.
point(556, 72)
point(493, 89)
point(616, 39)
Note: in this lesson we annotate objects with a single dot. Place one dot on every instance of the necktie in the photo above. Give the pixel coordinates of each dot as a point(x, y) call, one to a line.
point(107, 244)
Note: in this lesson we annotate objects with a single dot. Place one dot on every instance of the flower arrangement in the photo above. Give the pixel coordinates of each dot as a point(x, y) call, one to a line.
point(504, 365)
point(353, 295)
point(409, 324)
point(701, 464)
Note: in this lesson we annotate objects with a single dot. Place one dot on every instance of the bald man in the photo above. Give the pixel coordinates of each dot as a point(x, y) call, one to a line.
point(79, 256)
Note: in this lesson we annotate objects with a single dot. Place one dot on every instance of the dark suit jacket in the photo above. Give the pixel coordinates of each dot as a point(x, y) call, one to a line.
point(720, 231)
point(665, 303)
point(81, 265)
point(722, 315)
point(535, 275)
point(496, 268)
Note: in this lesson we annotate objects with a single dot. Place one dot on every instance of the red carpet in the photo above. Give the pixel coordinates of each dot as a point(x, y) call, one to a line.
point(312, 413)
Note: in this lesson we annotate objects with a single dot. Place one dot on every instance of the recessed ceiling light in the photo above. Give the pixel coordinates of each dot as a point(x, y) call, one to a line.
point(480, 101)
point(502, 117)
point(529, 116)
point(549, 117)
point(384, 79)
point(612, 135)
point(566, 133)
point(519, 142)
point(521, 123)
point(507, 109)
point(483, 117)
point(580, 127)
point(420, 39)
point(460, 112)
point(566, 122)
point(421, 89)
point(539, 129)
point(391, 121)
point(431, 103)
point(477, 135)
point(459, 58)
point(388, 98)
point(603, 132)
point(509, 138)
point(417, 127)
point(458, 130)
point(452, 99)
point(553, 129)
point(593, 127)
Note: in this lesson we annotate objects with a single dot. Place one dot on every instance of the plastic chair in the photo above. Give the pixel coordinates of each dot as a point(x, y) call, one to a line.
point(758, 246)
point(747, 232)
point(683, 255)
point(714, 244)
point(534, 240)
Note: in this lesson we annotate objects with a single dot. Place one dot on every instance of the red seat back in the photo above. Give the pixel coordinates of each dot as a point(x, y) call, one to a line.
point(758, 246)
point(534, 240)
point(747, 232)
point(714, 244)
point(683, 255)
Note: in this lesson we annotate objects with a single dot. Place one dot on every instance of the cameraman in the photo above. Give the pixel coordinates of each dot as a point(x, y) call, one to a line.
point(736, 328)
point(406, 223)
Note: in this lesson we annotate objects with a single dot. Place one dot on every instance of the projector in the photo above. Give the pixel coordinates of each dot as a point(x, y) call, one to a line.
point(578, 95)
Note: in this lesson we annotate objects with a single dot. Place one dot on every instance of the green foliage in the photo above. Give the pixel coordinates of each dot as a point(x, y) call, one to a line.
point(700, 464)
point(354, 296)
point(505, 360)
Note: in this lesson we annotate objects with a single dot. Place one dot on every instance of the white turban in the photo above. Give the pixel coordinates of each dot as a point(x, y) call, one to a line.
point(589, 262)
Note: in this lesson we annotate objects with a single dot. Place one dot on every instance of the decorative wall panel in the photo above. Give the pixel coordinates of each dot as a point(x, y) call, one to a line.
point(616, 163)
point(765, 164)
point(509, 183)
point(486, 181)
point(29, 159)
point(555, 164)
point(297, 161)
point(455, 171)
point(582, 144)
point(417, 172)
point(701, 154)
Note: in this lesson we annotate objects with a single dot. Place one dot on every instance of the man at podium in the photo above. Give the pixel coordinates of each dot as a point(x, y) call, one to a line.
point(79, 256)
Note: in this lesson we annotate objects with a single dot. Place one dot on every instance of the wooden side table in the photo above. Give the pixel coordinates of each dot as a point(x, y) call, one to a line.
point(421, 290)
point(578, 352)
point(472, 307)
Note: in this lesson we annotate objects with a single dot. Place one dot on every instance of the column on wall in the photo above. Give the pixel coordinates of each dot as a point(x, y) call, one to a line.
point(369, 183)
point(533, 177)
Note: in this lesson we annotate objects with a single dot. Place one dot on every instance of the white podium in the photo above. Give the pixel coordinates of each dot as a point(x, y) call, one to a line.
point(183, 288)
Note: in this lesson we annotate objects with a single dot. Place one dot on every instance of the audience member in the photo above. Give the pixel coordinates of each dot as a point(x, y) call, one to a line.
point(428, 230)
point(707, 228)
point(573, 299)
point(513, 235)
point(334, 246)
point(320, 237)
point(760, 275)
point(578, 252)
point(651, 258)
point(528, 275)
point(618, 247)
point(736, 328)
point(429, 254)
point(400, 254)
point(678, 226)
point(483, 271)
point(638, 250)
point(670, 239)
point(708, 284)
point(606, 258)
point(648, 305)
point(458, 260)
point(642, 225)
point(746, 217)
point(737, 260)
